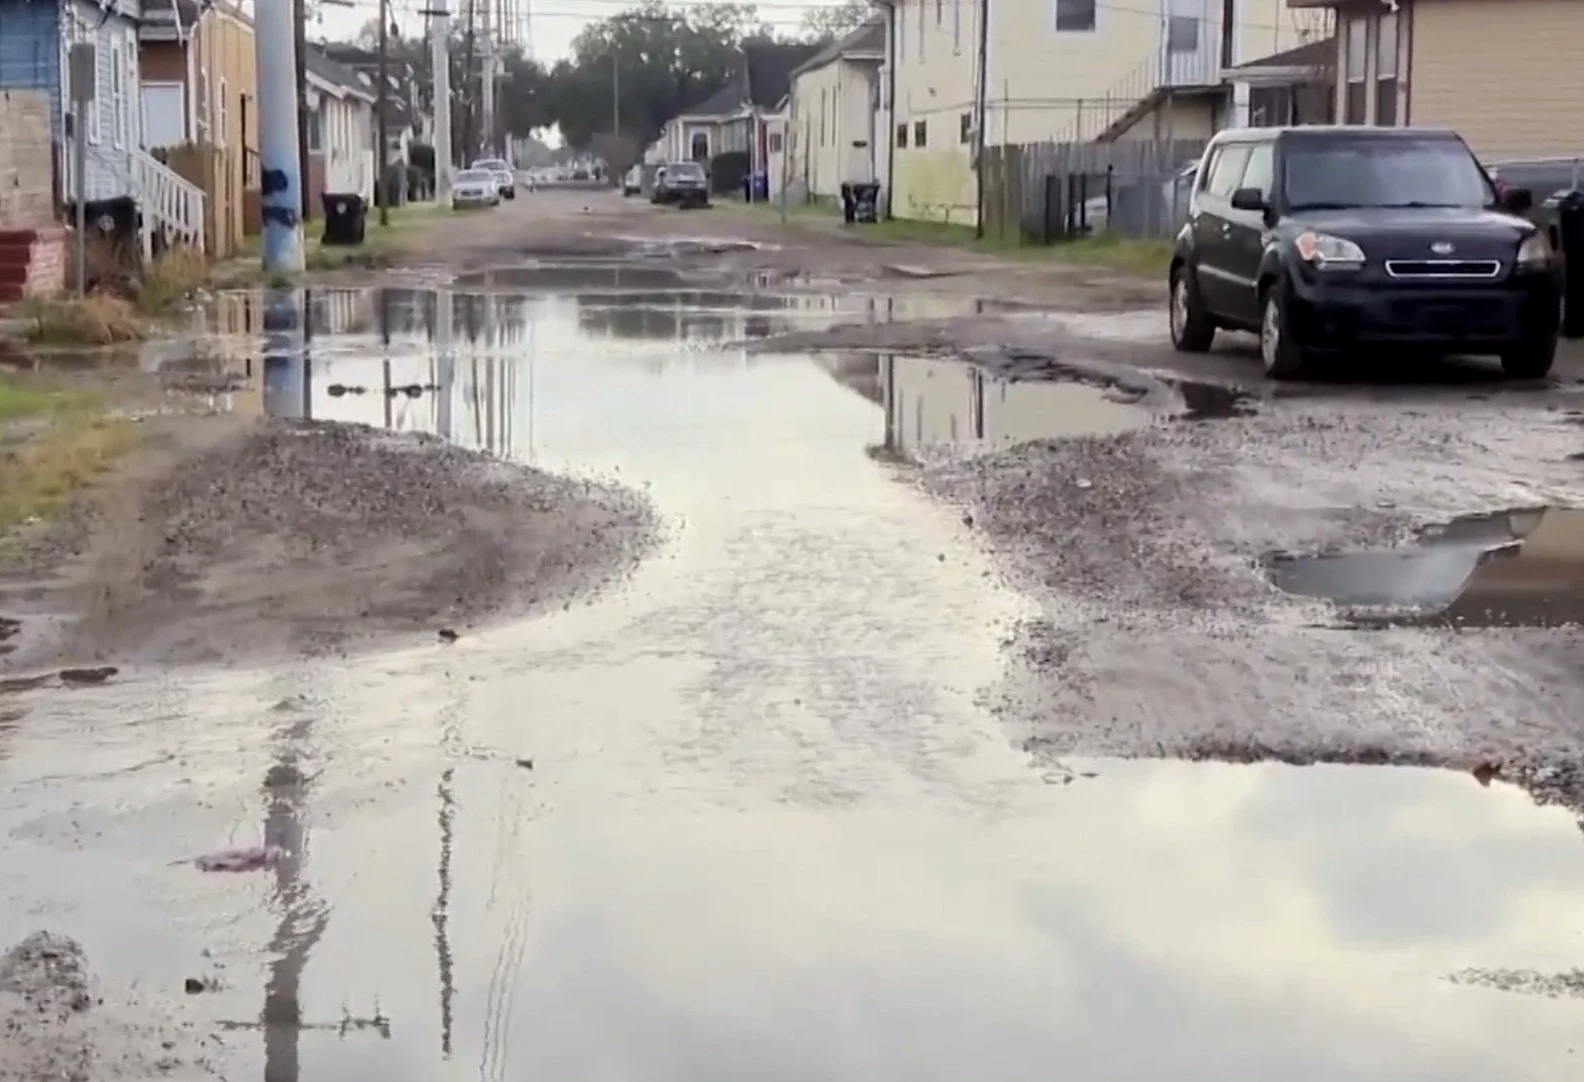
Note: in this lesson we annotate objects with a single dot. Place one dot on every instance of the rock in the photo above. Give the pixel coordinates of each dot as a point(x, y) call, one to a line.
point(448, 635)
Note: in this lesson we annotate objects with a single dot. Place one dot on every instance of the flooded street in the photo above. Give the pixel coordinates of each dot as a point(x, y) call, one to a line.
point(756, 811)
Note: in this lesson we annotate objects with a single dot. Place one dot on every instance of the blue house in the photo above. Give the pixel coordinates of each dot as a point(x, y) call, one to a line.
point(35, 39)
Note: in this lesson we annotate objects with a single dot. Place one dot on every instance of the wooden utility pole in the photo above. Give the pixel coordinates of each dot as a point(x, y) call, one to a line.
point(381, 189)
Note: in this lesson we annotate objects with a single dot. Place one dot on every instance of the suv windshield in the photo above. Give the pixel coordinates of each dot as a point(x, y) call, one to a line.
point(684, 171)
point(1344, 173)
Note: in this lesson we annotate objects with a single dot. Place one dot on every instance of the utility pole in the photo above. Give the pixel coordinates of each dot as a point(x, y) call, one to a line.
point(300, 35)
point(488, 124)
point(382, 189)
point(440, 62)
point(275, 42)
point(615, 95)
point(468, 144)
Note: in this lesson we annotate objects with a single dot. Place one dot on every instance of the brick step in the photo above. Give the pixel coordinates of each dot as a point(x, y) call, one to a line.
point(14, 273)
point(15, 253)
point(12, 291)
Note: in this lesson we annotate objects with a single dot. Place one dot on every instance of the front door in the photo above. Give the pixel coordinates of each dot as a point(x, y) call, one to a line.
point(1219, 280)
point(1246, 249)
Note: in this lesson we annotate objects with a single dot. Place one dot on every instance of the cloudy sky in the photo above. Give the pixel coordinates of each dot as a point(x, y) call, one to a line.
point(550, 24)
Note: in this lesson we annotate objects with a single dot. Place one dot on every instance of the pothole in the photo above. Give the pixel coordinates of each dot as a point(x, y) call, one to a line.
point(1516, 568)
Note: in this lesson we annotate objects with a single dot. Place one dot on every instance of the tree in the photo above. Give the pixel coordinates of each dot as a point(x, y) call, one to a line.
point(829, 23)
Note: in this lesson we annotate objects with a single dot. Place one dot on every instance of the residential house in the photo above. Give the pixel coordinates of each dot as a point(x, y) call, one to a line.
point(834, 98)
point(36, 37)
point(199, 93)
point(407, 117)
point(778, 149)
point(1419, 62)
point(1295, 86)
point(1062, 71)
point(735, 118)
point(340, 130)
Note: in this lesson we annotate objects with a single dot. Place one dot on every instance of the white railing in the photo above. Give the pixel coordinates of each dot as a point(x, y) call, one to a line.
point(168, 201)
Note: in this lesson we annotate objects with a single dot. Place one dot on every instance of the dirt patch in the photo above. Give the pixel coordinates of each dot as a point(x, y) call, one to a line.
point(231, 540)
point(55, 1023)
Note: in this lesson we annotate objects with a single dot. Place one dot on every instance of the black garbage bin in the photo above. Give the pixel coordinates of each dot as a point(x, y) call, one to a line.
point(1568, 208)
point(865, 201)
point(345, 218)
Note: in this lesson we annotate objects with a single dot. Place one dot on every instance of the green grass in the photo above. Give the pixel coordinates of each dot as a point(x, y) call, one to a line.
point(1122, 254)
point(24, 399)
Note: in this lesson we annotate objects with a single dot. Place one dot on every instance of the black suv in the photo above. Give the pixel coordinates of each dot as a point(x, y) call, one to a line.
point(1324, 238)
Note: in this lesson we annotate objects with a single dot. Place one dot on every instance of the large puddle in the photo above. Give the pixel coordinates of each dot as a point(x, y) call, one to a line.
point(746, 817)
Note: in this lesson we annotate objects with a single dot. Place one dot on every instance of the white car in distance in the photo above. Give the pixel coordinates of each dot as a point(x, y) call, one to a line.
point(474, 188)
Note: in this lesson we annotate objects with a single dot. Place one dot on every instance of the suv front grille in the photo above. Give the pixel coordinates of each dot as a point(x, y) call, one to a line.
point(1443, 268)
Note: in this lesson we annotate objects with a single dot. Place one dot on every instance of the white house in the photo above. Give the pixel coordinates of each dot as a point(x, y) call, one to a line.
point(340, 129)
point(834, 97)
point(1063, 71)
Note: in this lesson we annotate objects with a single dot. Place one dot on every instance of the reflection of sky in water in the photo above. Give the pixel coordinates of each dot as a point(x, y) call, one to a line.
point(769, 832)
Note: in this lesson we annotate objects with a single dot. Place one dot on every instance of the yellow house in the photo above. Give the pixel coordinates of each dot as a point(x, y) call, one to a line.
point(832, 110)
point(200, 105)
point(1499, 72)
point(1063, 71)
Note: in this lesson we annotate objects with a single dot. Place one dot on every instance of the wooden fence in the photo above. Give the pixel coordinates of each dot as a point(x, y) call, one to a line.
point(1040, 193)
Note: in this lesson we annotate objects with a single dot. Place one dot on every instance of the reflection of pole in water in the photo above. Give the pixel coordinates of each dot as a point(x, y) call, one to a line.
point(285, 354)
point(442, 911)
point(492, 345)
point(446, 300)
point(302, 916)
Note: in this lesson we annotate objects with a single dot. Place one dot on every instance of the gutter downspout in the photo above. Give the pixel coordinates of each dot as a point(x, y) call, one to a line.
point(890, 97)
point(979, 119)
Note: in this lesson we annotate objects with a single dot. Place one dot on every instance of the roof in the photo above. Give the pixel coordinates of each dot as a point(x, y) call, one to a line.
point(1316, 54)
point(868, 38)
point(725, 102)
point(770, 65)
point(336, 75)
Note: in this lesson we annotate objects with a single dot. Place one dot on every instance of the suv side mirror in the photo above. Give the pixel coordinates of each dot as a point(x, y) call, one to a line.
point(1517, 200)
point(1249, 199)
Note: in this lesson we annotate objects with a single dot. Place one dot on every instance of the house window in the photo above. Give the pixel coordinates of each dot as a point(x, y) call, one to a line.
point(918, 133)
point(203, 105)
point(957, 6)
point(921, 32)
point(940, 10)
point(1356, 65)
point(823, 111)
point(1182, 34)
point(224, 114)
point(1075, 15)
point(134, 120)
point(117, 98)
point(965, 127)
point(1386, 70)
point(775, 142)
point(902, 135)
point(316, 130)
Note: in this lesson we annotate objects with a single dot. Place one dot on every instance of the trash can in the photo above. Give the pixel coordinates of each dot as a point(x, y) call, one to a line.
point(761, 187)
point(1568, 208)
point(345, 218)
point(865, 201)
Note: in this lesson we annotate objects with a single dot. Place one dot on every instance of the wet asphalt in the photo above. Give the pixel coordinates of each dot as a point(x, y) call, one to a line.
point(795, 802)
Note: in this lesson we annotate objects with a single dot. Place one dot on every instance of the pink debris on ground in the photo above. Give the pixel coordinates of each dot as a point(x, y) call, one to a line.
point(250, 859)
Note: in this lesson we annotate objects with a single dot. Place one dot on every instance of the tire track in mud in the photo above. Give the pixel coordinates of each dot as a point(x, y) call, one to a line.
point(508, 878)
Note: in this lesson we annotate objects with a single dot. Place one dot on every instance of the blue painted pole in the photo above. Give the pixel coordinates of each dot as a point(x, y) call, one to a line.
point(280, 170)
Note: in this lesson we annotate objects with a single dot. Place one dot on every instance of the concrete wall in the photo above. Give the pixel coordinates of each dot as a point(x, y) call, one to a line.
point(27, 197)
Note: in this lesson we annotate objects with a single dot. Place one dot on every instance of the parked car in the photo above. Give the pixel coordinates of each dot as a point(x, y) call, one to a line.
point(632, 183)
point(683, 183)
point(505, 179)
point(1325, 238)
point(474, 188)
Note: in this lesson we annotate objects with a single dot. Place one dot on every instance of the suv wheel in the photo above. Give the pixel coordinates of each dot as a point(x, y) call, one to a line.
point(1192, 329)
point(1284, 356)
point(1532, 359)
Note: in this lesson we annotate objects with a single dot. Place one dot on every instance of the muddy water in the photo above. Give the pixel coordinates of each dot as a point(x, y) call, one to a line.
point(745, 817)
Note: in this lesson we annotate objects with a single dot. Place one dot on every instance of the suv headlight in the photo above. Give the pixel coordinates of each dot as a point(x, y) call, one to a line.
point(1535, 252)
point(1326, 252)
